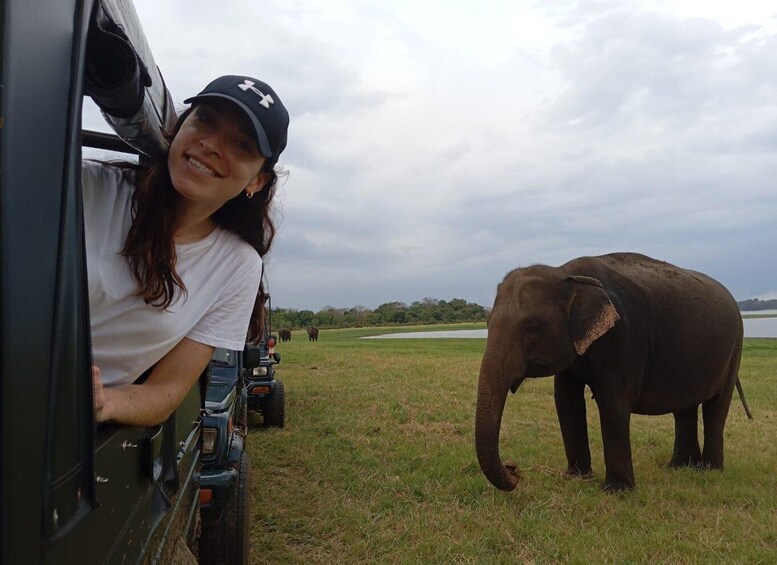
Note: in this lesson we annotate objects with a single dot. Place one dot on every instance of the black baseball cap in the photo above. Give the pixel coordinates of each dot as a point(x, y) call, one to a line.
point(260, 103)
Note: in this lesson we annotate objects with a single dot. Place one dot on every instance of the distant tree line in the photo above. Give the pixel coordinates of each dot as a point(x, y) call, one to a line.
point(754, 304)
point(426, 311)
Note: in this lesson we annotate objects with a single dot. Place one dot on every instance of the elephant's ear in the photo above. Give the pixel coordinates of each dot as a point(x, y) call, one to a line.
point(591, 313)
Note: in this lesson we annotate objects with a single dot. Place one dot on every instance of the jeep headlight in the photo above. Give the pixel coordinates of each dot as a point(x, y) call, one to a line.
point(208, 440)
point(260, 371)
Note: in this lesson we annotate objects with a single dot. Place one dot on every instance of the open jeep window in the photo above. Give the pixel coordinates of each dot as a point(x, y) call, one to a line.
point(121, 78)
point(70, 494)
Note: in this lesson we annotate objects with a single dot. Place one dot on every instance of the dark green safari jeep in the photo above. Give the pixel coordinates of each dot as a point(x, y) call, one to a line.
point(70, 491)
point(226, 468)
point(265, 392)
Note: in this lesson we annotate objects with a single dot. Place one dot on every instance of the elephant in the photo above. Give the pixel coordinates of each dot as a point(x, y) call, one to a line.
point(645, 336)
point(312, 333)
point(284, 334)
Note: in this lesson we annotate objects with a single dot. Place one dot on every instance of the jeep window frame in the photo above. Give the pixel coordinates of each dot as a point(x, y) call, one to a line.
point(42, 295)
point(48, 439)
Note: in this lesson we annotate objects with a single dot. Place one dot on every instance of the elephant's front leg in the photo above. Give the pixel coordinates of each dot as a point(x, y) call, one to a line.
point(615, 417)
point(569, 393)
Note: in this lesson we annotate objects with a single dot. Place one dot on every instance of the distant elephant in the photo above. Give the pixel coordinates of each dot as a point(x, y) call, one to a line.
point(284, 334)
point(645, 336)
point(312, 333)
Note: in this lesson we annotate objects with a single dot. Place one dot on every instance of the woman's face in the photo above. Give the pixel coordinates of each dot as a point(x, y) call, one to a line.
point(215, 156)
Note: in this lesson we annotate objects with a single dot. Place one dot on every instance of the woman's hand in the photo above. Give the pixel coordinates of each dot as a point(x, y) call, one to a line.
point(102, 404)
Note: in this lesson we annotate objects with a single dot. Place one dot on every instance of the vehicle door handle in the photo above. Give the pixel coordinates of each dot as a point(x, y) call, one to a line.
point(152, 450)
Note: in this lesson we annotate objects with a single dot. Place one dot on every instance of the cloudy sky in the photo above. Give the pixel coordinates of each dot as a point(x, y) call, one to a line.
point(436, 145)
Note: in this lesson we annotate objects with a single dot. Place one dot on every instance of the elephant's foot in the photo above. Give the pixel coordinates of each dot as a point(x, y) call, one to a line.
point(684, 461)
point(712, 456)
point(711, 465)
point(580, 473)
point(613, 485)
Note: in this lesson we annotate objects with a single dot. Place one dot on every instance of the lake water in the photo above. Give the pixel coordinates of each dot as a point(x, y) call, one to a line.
point(754, 327)
point(751, 313)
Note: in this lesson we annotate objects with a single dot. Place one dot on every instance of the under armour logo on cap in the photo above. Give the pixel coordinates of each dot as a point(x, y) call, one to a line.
point(266, 99)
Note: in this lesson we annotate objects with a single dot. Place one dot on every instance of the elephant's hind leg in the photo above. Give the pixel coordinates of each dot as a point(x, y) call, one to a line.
point(715, 411)
point(686, 439)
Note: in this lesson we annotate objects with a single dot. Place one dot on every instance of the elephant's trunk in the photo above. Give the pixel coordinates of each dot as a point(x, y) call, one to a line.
point(493, 385)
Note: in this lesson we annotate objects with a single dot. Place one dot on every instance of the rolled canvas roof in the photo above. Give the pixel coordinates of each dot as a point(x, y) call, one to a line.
point(123, 79)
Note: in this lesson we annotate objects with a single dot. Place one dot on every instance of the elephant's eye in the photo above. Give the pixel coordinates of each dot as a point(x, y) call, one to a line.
point(531, 332)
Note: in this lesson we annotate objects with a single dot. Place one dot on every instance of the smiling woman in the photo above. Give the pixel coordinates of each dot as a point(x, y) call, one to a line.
point(213, 158)
point(174, 249)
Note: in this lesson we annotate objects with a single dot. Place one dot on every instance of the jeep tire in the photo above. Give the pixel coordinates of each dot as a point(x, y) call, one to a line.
point(240, 521)
point(226, 541)
point(275, 412)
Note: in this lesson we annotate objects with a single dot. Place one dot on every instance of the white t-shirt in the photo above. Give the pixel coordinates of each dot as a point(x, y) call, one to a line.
point(221, 273)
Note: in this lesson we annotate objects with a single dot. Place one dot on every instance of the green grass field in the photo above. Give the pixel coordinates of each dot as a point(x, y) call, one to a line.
point(376, 464)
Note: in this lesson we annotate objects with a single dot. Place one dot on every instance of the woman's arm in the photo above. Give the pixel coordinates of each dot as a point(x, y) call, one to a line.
point(152, 402)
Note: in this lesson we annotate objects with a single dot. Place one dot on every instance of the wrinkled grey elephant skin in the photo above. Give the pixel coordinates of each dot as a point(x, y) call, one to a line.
point(645, 336)
point(312, 333)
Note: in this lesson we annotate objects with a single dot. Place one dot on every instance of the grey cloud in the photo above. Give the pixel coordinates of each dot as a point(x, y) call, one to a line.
point(640, 66)
point(318, 83)
point(304, 250)
point(661, 139)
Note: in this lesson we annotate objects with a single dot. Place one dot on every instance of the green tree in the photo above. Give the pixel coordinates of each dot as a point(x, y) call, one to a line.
point(426, 311)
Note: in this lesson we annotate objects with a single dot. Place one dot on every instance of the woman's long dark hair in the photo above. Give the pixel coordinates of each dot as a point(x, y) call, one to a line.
point(150, 246)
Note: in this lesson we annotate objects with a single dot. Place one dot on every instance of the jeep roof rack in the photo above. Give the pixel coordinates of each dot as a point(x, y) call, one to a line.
point(123, 80)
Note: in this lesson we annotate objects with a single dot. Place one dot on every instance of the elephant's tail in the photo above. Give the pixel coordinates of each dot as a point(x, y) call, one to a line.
point(742, 398)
